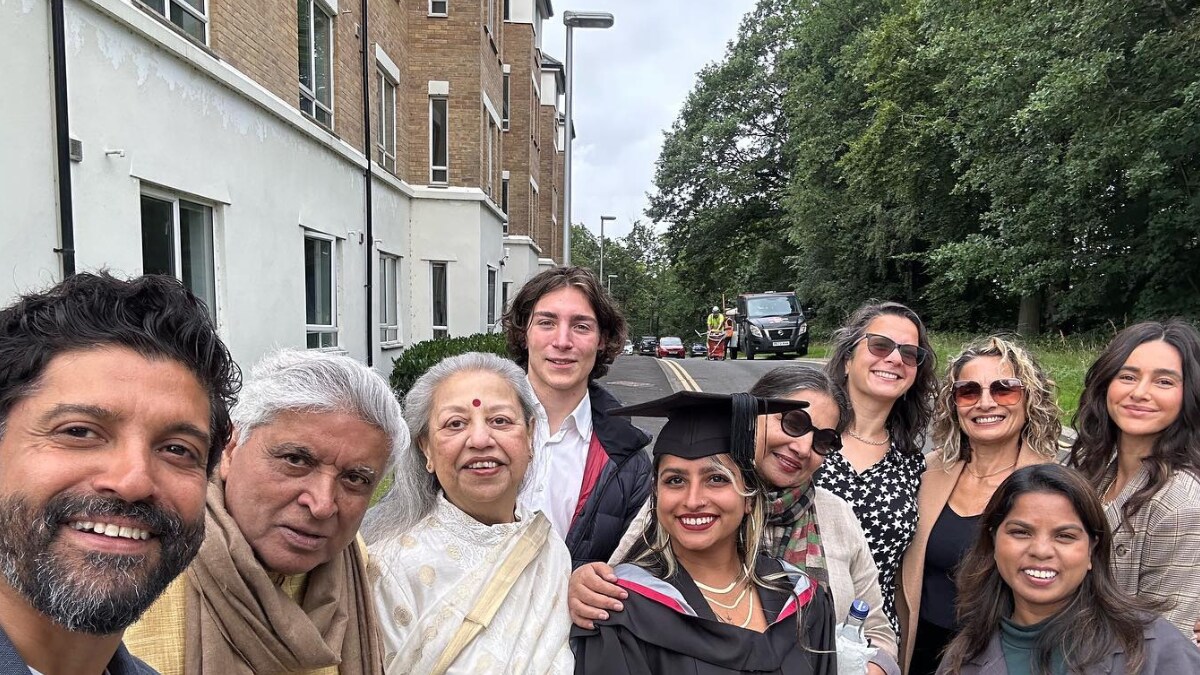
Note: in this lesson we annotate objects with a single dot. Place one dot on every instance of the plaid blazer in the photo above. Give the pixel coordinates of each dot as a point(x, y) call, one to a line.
point(1156, 552)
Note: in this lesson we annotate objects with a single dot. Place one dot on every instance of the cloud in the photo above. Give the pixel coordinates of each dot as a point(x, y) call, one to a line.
point(630, 82)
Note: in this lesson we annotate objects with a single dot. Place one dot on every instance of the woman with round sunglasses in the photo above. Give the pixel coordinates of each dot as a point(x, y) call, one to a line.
point(883, 358)
point(808, 527)
point(995, 412)
point(1139, 445)
point(1038, 594)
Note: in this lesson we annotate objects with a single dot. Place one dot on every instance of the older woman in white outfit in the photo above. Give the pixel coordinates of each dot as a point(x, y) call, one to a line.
point(463, 581)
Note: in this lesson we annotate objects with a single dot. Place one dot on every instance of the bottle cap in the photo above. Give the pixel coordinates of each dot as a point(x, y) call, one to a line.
point(859, 609)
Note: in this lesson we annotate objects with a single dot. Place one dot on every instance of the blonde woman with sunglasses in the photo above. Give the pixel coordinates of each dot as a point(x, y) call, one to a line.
point(995, 412)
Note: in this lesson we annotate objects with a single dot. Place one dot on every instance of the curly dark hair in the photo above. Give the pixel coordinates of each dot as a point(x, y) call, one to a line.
point(608, 316)
point(153, 315)
point(1177, 447)
point(909, 418)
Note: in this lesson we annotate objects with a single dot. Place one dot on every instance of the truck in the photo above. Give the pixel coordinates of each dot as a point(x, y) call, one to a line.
point(770, 322)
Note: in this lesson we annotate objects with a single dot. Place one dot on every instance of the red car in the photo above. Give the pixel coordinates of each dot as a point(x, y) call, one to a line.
point(671, 346)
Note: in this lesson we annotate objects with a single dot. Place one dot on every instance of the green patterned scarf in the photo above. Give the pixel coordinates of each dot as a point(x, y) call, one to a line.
point(794, 534)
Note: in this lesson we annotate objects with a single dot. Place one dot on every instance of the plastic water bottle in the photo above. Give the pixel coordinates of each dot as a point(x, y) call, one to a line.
point(852, 628)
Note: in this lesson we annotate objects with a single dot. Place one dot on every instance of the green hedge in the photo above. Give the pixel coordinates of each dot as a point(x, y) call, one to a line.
point(423, 355)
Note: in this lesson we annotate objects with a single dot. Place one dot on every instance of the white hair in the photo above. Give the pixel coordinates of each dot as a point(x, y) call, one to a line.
point(293, 380)
point(414, 491)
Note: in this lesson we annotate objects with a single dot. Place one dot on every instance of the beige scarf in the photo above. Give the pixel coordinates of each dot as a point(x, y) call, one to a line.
point(240, 621)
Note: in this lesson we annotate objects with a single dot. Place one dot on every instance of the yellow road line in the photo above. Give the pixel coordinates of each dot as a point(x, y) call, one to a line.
point(685, 380)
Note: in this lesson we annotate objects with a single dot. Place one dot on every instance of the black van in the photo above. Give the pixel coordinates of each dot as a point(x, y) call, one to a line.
point(769, 322)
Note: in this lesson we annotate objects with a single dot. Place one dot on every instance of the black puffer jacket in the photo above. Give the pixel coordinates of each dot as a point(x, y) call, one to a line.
point(623, 485)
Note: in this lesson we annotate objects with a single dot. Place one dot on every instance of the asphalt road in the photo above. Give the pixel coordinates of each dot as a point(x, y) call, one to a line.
point(636, 379)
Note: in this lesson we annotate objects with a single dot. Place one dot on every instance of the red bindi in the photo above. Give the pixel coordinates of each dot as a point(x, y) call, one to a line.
point(476, 403)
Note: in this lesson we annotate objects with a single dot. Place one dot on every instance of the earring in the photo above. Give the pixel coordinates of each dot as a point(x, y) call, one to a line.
point(429, 465)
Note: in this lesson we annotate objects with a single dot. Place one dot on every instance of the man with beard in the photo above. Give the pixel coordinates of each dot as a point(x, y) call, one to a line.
point(114, 399)
point(280, 583)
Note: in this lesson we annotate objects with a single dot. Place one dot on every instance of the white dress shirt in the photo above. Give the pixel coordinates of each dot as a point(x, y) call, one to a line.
point(555, 475)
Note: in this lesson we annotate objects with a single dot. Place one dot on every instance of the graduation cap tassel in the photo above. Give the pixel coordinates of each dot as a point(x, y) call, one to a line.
point(742, 428)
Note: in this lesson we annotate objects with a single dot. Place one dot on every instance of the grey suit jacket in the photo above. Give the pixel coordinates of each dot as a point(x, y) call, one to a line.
point(122, 662)
point(1167, 653)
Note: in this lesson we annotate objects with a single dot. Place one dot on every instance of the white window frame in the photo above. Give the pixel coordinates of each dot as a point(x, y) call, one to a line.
point(200, 15)
point(493, 150)
point(310, 95)
point(210, 257)
point(535, 108)
point(434, 6)
point(443, 328)
point(506, 102)
point(435, 168)
point(390, 325)
point(490, 21)
point(533, 206)
point(321, 329)
point(492, 284)
point(387, 121)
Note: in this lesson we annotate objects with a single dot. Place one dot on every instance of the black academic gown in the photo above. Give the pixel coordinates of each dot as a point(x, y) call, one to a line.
point(668, 627)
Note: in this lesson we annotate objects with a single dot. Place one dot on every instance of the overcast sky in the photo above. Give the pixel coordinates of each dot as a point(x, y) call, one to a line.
point(630, 82)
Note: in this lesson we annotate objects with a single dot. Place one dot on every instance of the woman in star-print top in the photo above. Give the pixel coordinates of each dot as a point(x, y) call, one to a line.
point(883, 357)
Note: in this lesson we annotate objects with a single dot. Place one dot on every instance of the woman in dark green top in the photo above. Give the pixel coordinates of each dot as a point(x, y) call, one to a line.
point(1036, 595)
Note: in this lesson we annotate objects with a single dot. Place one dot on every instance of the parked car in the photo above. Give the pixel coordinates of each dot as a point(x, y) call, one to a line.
point(698, 349)
point(671, 346)
point(648, 345)
point(628, 348)
point(769, 322)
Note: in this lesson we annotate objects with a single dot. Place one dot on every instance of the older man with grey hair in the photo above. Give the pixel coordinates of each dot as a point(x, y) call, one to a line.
point(280, 584)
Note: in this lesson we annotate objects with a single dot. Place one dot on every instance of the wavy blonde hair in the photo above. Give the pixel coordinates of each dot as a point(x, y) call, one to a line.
point(1043, 417)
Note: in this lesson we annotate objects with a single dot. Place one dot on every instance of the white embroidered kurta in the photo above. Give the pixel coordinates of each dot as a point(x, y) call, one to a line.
point(426, 581)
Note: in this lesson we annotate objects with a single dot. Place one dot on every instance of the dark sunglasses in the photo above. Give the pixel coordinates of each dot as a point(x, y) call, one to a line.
point(796, 423)
point(1004, 392)
point(882, 345)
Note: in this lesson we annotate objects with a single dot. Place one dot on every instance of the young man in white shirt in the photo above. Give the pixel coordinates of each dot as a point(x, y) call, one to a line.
point(589, 474)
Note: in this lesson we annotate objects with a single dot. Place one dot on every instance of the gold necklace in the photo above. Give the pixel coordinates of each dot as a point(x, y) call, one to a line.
point(867, 441)
point(989, 475)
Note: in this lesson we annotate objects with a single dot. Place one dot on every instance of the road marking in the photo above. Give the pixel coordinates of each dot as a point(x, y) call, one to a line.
point(685, 381)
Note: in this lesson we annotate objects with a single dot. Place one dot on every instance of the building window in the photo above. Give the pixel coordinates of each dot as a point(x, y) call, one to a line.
point(534, 104)
point(504, 201)
point(504, 115)
point(507, 10)
point(439, 7)
point(491, 299)
point(188, 15)
point(491, 18)
point(389, 298)
point(439, 140)
point(177, 239)
point(387, 122)
point(315, 46)
point(493, 149)
point(505, 294)
point(320, 291)
point(441, 321)
point(533, 207)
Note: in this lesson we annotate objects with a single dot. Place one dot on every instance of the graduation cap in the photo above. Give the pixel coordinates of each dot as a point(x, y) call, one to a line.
point(700, 424)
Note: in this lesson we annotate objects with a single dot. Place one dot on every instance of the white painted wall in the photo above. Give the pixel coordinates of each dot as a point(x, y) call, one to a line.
point(193, 126)
point(28, 190)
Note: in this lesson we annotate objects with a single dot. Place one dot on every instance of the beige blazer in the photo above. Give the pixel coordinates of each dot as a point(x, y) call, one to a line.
point(937, 483)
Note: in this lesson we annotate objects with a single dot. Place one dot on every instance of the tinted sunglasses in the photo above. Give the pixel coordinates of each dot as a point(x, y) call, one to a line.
point(1004, 392)
point(882, 345)
point(796, 423)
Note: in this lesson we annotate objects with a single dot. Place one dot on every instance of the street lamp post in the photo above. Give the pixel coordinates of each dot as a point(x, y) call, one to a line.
point(574, 20)
point(602, 219)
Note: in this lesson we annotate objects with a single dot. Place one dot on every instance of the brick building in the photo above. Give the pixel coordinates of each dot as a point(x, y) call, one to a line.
point(231, 144)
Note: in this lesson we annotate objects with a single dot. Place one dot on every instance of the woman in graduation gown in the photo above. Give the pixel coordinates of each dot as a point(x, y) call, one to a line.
point(702, 598)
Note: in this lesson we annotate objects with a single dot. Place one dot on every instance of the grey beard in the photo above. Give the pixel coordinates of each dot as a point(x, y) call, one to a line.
point(99, 593)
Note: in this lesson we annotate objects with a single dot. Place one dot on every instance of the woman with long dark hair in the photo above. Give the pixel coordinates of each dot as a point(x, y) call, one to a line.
point(883, 358)
point(995, 412)
point(1139, 446)
point(1036, 594)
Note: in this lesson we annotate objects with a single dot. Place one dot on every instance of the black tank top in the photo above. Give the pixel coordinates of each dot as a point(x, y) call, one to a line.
point(949, 540)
